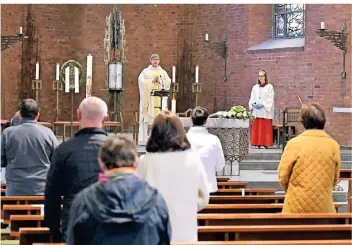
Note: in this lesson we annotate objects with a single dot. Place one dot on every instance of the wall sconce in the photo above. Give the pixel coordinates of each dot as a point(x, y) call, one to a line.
point(221, 48)
point(7, 41)
point(339, 39)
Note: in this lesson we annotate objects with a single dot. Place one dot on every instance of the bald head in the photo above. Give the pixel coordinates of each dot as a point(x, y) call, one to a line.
point(92, 110)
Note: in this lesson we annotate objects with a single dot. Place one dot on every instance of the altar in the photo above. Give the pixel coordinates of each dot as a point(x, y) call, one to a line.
point(234, 138)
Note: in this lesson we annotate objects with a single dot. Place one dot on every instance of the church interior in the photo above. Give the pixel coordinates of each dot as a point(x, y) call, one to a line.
point(142, 59)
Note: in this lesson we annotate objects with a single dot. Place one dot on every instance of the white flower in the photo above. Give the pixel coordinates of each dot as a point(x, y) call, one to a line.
point(244, 114)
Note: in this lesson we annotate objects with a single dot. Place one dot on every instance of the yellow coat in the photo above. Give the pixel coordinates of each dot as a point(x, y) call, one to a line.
point(308, 171)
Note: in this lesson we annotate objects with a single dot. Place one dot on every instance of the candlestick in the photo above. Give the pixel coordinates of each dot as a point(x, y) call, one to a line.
point(173, 106)
point(67, 79)
point(173, 74)
point(89, 76)
point(206, 37)
point(322, 25)
point(37, 71)
point(57, 72)
point(197, 73)
point(76, 80)
point(21, 30)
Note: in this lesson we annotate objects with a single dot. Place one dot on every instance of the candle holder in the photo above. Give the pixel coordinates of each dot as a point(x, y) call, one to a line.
point(221, 48)
point(339, 39)
point(36, 85)
point(196, 88)
point(57, 86)
point(7, 41)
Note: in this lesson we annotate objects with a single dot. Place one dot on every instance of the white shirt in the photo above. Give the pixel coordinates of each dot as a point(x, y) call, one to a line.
point(181, 179)
point(265, 96)
point(210, 150)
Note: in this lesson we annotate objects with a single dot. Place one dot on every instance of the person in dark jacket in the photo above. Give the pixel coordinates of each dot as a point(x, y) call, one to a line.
point(74, 165)
point(120, 209)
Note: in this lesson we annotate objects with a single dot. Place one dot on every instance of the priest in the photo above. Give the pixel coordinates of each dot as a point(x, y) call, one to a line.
point(152, 77)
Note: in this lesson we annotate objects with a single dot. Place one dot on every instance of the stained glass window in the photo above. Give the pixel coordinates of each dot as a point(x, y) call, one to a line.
point(288, 20)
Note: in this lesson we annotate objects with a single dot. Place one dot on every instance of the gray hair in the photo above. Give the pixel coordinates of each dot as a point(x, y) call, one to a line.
point(154, 56)
point(93, 109)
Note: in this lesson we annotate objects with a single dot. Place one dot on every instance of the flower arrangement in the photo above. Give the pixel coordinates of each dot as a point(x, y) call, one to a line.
point(237, 112)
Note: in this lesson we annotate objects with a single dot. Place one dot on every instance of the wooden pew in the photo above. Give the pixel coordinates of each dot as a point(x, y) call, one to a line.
point(273, 219)
point(246, 199)
point(28, 236)
point(26, 200)
point(3, 192)
point(230, 184)
point(24, 221)
point(222, 179)
point(246, 208)
point(3, 185)
point(274, 232)
point(245, 192)
point(19, 210)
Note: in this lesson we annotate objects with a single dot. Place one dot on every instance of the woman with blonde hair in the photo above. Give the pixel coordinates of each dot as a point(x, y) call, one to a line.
point(310, 166)
point(177, 172)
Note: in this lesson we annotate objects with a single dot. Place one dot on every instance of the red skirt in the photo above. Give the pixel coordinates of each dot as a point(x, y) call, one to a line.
point(262, 132)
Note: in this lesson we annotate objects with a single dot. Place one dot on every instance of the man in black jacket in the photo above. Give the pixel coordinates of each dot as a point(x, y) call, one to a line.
point(121, 209)
point(74, 165)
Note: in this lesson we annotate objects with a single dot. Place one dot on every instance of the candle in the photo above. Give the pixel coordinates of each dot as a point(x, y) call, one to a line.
point(21, 31)
point(206, 37)
point(173, 74)
point(67, 79)
point(76, 80)
point(173, 106)
point(197, 73)
point(37, 71)
point(322, 25)
point(57, 72)
point(89, 75)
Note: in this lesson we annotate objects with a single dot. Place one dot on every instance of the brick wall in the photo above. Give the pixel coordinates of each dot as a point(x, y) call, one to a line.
point(176, 32)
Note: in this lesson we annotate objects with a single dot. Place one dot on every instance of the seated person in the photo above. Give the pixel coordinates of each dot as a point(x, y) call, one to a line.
point(120, 208)
point(207, 145)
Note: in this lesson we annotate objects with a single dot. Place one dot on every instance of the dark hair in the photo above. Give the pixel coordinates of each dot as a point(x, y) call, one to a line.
point(313, 116)
point(29, 109)
point(118, 152)
point(167, 134)
point(199, 116)
point(265, 75)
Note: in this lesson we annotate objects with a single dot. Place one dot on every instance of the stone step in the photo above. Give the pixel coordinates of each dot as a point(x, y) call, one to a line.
point(276, 155)
point(273, 164)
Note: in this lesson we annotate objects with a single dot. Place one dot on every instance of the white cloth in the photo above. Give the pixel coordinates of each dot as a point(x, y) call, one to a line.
point(218, 123)
point(210, 150)
point(265, 96)
point(181, 179)
point(145, 119)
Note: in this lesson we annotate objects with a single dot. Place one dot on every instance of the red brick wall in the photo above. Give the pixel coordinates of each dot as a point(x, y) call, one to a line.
point(176, 32)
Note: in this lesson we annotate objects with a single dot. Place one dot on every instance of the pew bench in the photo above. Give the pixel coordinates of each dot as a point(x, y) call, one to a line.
point(246, 199)
point(222, 179)
point(17, 200)
point(273, 219)
point(9, 210)
point(244, 192)
point(246, 208)
point(274, 232)
point(19, 221)
point(28, 236)
point(230, 184)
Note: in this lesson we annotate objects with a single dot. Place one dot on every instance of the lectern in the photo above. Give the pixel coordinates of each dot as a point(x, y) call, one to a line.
point(160, 93)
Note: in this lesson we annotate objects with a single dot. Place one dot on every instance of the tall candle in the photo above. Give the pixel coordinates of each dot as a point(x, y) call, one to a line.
point(57, 72)
point(197, 73)
point(206, 37)
point(37, 71)
point(67, 79)
point(173, 74)
point(89, 75)
point(173, 106)
point(322, 25)
point(21, 30)
point(76, 80)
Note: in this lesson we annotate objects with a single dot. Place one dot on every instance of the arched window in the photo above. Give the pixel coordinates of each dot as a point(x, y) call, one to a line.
point(288, 20)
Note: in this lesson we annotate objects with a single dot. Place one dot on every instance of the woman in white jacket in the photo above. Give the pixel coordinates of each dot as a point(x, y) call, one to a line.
point(177, 172)
point(262, 104)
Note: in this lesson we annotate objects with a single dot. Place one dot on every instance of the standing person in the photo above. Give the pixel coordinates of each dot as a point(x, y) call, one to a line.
point(121, 208)
point(152, 77)
point(262, 104)
point(207, 145)
point(177, 172)
point(310, 166)
point(75, 164)
point(26, 150)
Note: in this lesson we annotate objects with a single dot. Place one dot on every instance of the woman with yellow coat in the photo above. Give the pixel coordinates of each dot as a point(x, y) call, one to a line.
point(310, 166)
